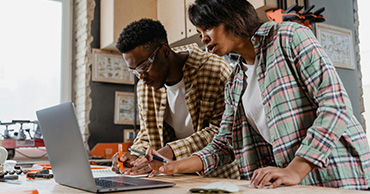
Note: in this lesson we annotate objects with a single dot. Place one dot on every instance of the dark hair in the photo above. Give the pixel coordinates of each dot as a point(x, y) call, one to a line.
point(143, 32)
point(239, 16)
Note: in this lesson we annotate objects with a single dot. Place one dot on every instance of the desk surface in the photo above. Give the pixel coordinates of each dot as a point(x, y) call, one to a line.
point(183, 184)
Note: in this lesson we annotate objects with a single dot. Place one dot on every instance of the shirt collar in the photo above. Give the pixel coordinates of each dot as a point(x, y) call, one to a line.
point(193, 59)
point(263, 30)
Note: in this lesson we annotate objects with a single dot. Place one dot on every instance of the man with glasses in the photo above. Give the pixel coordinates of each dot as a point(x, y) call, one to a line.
point(180, 96)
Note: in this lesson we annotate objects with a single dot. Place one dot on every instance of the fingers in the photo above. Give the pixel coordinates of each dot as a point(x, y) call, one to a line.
point(263, 176)
point(169, 168)
point(126, 158)
point(141, 169)
point(255, 174)
point(276, 183)
point(256, 178)
point(153, 173)
point(115, 168)
point(269, 177)
point(115, 163)
point(141, 160)
point(276, 176)
point(149, 154)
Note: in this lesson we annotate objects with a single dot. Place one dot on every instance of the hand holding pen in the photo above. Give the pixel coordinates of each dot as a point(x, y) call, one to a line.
point(152, 159)
point(143, 154)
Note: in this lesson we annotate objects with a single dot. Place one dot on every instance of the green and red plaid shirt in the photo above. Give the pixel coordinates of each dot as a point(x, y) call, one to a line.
point(205, 76)
point(308, 113)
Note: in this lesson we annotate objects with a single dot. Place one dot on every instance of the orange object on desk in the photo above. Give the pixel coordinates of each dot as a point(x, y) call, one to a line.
point(98, 167)
point(45, 166)
point(100, 149)
point(21, 192)
point(120, 152)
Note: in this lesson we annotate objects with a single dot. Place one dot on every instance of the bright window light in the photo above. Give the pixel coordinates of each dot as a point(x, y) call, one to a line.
point(30, 57)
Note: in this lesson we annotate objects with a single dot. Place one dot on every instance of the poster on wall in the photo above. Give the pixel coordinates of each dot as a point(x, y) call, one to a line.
point(338, 44)
point(109, 66)
point(124, 108)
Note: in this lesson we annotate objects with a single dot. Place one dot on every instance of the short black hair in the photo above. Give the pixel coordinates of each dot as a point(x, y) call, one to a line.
point(239, 16)
point(143, 32)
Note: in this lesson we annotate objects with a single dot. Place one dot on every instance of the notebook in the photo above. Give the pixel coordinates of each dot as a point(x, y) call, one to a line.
point(68, 157)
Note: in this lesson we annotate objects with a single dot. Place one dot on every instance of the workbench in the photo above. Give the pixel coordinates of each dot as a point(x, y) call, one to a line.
point(183, 184)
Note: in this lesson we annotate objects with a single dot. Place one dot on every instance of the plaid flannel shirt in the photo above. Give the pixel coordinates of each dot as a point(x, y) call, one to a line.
point(205, 76)
point(308, 113)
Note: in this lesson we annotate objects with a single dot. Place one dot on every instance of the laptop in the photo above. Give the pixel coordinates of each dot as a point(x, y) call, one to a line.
point(68, 157)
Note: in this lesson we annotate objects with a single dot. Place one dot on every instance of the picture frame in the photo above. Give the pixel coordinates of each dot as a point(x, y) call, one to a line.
point(110, 67)
point(338, 44)
point(128, 135)
point(124, 108)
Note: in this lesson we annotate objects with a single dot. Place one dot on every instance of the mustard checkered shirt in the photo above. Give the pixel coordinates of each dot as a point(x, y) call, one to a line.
point(205, 76)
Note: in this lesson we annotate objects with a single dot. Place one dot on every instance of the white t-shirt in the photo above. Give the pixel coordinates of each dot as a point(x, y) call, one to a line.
point(252, 102)
point(177, 113)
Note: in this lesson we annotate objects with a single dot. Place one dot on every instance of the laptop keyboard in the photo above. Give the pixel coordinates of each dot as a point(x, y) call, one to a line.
point(112, 183)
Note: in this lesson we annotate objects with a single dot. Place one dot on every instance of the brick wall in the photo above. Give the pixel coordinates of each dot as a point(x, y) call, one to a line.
point(83, 16)
point(358, 57)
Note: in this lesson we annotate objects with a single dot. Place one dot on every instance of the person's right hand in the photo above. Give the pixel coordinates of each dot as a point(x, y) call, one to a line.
point(169, 168)
point(127, 160)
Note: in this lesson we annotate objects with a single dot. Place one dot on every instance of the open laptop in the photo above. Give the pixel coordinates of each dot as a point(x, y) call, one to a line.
point(69, 159)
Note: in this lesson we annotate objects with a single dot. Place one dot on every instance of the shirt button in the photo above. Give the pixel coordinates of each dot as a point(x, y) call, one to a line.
point(163, 104)
point(160, 126)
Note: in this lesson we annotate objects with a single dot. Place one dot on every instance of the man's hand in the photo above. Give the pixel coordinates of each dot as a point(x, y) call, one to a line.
point(139, 166)
point(126, 158)
point(142, 166)
point(157, 165)
point(187, 165)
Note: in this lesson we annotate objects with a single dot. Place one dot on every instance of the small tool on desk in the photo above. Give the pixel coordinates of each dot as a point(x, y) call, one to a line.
point(33, 175)
point(154, 156)
point(44, 173)
point(120, 152)
point(217, 187)
point(8, 178)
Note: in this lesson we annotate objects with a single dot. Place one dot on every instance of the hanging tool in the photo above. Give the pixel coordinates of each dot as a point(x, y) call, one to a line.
point(293, 13)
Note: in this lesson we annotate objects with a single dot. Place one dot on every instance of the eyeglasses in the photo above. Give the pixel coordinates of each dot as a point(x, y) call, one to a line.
point(144, 66)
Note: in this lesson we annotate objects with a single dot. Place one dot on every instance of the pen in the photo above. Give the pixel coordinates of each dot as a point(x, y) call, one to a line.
point(120, 152)
point(154, 156)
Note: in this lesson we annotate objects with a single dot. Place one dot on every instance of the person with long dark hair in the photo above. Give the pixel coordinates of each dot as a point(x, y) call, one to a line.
point(288, 118)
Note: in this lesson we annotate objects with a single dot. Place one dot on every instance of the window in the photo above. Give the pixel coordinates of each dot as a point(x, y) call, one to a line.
point(365, 58)
point(35, 56)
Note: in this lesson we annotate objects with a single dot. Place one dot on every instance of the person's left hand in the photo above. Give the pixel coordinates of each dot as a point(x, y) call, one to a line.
point(276, 176)
point(140, 166)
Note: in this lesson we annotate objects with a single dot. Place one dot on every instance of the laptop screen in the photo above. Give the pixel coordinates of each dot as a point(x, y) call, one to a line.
point(68, 156)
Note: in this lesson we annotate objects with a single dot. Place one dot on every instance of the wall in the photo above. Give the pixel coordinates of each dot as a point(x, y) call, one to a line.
point(94, 101)
point(343, 13)
point(83, 14)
